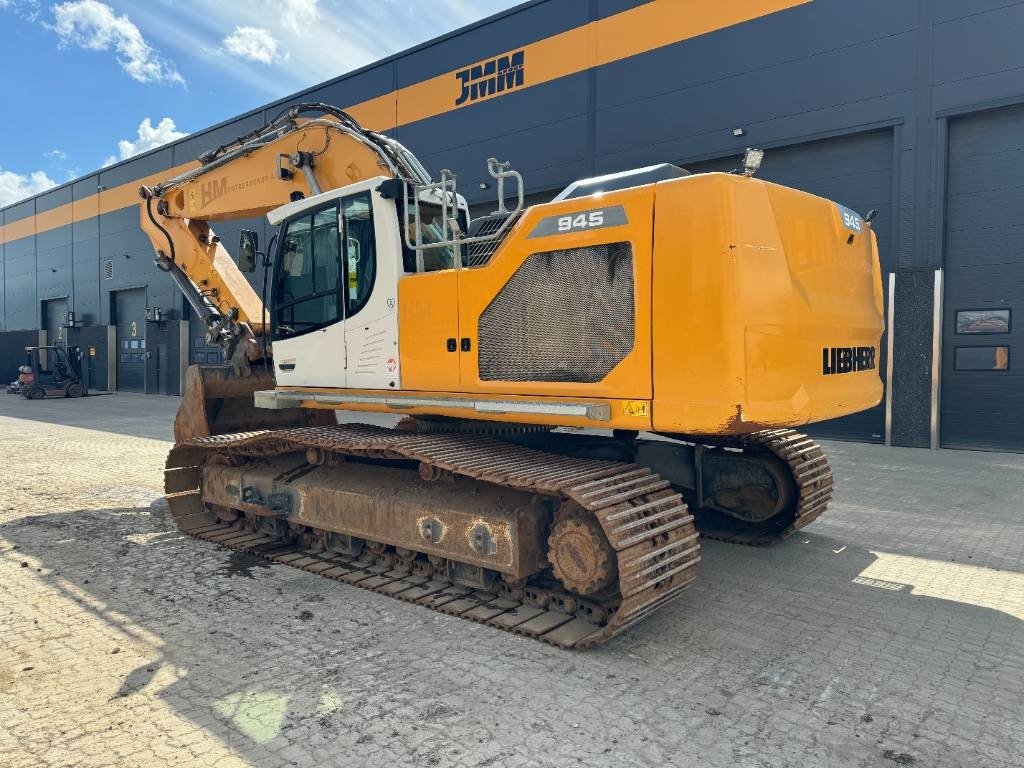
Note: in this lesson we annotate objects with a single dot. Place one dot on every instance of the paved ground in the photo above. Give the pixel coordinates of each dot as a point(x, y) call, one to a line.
point(890, 633)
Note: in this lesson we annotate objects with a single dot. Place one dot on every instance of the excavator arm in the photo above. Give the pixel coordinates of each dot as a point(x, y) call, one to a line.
point(306, 150)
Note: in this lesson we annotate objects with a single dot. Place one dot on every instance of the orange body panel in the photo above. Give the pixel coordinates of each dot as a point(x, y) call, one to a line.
point(428, 315)
point(739, 286)
point(752, 281)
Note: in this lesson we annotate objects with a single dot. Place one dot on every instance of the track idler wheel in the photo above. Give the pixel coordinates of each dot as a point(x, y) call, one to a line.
point(581, 557)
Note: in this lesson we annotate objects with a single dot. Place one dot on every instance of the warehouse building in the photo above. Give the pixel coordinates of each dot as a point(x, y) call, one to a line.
point(912, 109)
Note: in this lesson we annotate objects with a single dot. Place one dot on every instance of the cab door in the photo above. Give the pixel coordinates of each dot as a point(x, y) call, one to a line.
point(309, 301)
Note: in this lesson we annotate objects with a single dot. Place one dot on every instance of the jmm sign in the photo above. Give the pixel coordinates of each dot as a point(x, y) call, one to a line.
point(490, 77)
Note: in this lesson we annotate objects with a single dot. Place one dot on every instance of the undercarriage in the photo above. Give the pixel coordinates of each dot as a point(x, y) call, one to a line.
point(564, 537)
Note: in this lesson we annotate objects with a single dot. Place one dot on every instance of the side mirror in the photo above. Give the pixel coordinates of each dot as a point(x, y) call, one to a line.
point(248, 248)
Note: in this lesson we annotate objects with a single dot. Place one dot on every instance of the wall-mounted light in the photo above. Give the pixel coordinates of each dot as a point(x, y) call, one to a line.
point(739, 132)
point(752, 160)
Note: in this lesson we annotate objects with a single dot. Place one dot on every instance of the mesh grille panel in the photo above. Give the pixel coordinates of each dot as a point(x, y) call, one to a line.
point(479, 254)
point(563, 316)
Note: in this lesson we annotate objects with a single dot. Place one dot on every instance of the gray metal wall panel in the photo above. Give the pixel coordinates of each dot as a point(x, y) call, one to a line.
point(979, 44)
point(12, 352)
point(984, 270)
point(86, 264)
point(131, 171)
point(803, 36)
point(54, 275)
point(53, 238)
point(348, 91)
point(20, 211)
point(187, 150)
point(20, 307)
point(53, 199)
point(950, 10)
point(611, 7)
point(85, 229)
point(546, 155)
point(822, 82)
point(85, 187)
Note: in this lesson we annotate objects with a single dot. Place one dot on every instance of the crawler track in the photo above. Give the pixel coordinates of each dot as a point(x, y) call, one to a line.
point(647, 524)
point(811, 474)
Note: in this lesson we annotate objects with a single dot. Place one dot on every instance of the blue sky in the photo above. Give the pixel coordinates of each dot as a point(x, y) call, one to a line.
point(89, 82)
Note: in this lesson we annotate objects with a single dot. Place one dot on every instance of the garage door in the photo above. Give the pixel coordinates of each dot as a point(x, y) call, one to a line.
point(982, 402)
point(857, 172)
point(130, 317)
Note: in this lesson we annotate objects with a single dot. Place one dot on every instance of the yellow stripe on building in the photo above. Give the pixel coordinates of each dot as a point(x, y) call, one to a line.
point(632, 32)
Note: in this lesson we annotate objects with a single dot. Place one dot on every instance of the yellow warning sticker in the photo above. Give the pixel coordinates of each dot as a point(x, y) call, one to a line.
point(636, 408)
point(192, 201)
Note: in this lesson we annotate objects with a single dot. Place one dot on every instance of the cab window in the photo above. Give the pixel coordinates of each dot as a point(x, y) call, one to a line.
point(360, 251)
point(307, 291)
point(326, 267)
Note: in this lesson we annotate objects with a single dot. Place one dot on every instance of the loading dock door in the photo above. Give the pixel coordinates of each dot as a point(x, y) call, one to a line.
point(982, 396)
point(53, 313)
point(130, 317)
point(856, 171)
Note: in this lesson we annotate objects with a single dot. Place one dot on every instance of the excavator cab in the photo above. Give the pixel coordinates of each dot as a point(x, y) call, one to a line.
point(340, 257)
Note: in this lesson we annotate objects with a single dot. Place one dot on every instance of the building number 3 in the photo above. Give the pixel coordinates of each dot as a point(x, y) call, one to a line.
point(581, 221)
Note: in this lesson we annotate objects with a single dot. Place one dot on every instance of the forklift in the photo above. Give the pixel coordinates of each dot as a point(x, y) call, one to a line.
point(63, 378)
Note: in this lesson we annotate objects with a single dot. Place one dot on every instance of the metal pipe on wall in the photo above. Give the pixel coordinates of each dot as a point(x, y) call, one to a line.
point(890, 337)
point(936, 358)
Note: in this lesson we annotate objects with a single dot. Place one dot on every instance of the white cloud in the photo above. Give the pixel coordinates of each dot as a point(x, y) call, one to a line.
point(148, 137)
point(56, 155)
point(15, 187)
point(93, 25)
point(252, 43)
point(298, 15)
point(316, 41)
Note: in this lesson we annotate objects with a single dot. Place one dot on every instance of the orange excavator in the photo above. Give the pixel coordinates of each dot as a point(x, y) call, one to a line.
point(581, 385)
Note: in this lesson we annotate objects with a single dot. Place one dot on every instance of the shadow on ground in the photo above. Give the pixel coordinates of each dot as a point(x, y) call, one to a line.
point(802, 654)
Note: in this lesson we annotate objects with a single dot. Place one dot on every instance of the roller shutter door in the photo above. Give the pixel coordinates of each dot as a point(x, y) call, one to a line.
point(982, 400)
point(130, 317)
point(854, 170)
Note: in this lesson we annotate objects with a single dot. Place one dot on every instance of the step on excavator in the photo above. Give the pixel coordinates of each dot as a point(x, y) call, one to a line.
point(583, 385)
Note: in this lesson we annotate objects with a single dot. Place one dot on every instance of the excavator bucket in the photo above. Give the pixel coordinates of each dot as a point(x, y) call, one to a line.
point(217, 401)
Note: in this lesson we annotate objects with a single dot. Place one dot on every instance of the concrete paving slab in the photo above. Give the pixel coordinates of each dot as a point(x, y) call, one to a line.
point(890, 632)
